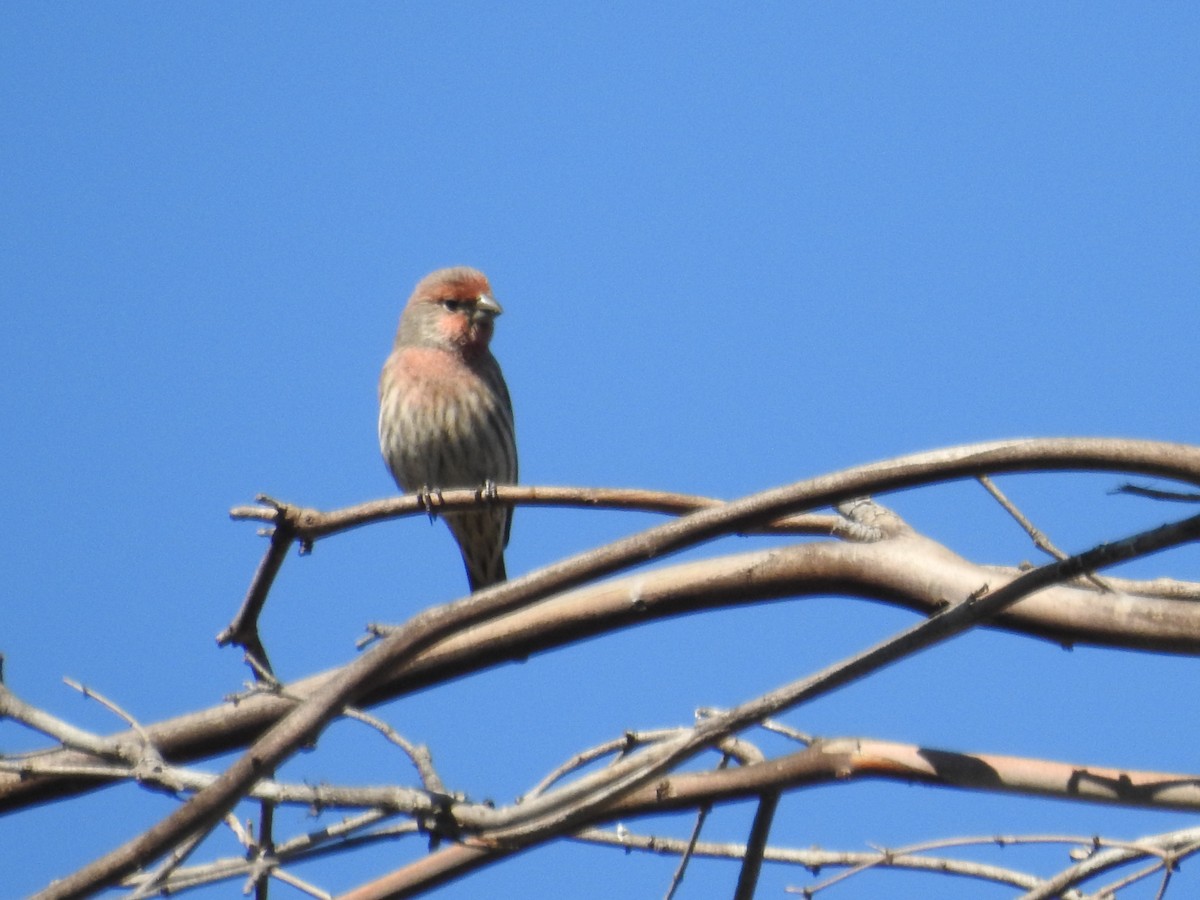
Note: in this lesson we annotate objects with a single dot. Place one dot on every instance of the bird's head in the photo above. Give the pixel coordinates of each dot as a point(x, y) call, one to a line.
point(452, 309)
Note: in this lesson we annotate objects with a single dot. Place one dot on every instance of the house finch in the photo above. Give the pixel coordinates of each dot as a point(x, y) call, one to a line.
point(445, 418)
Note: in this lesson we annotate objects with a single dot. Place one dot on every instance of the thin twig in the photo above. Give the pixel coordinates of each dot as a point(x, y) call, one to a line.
point(1167, 863)
point(1000, 840)
point(701, 817)
point(148, 763)
point(243, 630)
point(1039, 537)
point(1157, 494)
point(620, 745)
point(301, 885)
point(419, 754)
point(1110, 859)
point(810, 858)
point(767, 725)
point(149, 886)
point(13, 707)
point(109, 705)
point(787, 731)
point(313, 524)
point(333, 838)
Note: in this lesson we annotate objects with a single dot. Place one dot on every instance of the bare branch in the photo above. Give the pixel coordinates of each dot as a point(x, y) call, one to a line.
point(600, 795)
point(13, 707)
point(816, 859)
point(912, 571)
point(756, 846)
point(555, 811)
point(305, 722)
point(620, 745)
point(840, 760)
point(312, 524)
point(1156, 494)
point(1186, 840)
point(1039, 538)
point(420, 756)
point(701, 817)
point(243, 630)
point(150, 884)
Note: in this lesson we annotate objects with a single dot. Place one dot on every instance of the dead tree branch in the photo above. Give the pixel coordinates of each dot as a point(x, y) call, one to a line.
point(560, 809)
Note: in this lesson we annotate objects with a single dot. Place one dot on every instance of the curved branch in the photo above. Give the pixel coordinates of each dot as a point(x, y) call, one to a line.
point(570, 804)
point(816, 859)
point(908, 570)
point(827, 761)
point(1176, 461)
point(1173, 842)
point(313, 524)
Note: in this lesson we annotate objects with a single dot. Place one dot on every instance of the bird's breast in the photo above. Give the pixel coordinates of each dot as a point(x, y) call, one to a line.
point(436, 414)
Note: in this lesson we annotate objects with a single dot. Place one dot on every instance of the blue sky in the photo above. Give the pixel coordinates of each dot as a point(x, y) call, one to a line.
point(736, 247)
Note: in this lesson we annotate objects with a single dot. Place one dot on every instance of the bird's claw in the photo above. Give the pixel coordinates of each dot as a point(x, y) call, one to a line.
point(429, 498)
point(487, 491)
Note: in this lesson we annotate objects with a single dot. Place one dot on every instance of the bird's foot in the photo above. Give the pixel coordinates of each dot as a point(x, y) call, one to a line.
point(429, 498)
point(486, 492)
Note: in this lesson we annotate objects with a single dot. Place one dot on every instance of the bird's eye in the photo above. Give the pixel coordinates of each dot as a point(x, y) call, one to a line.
point(454, 305)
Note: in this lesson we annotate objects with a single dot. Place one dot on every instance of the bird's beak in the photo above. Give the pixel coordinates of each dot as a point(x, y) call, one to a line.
point(485, 303)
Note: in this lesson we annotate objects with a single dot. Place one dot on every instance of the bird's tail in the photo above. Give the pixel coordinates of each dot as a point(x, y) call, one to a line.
point(481, 538)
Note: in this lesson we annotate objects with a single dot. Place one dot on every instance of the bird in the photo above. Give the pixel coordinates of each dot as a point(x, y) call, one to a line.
point(445, 416)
